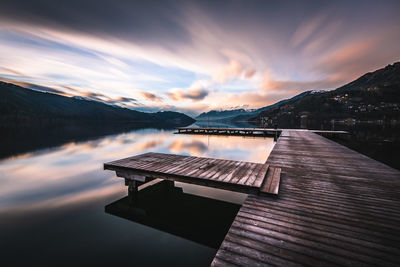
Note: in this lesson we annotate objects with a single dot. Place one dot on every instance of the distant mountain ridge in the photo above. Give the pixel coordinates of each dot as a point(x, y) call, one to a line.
point(374, 97)
point(242, 114)
point(19, 105)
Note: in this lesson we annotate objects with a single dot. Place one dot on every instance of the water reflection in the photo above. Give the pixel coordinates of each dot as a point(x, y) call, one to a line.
point(52, 175)
point(167, 208)
point(52, 200)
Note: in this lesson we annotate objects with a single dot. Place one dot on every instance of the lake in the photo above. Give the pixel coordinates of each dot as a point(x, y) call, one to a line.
point(59, 207)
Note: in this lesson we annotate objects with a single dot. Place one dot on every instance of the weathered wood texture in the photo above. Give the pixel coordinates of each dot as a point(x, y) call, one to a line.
point(335, 207)
point(233, 175)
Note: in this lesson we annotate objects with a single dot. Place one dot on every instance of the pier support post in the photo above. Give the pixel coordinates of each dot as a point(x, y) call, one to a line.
point(169, 183)
point(132, 188)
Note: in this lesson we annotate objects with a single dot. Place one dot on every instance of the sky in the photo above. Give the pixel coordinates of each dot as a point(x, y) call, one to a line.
point(194, 56)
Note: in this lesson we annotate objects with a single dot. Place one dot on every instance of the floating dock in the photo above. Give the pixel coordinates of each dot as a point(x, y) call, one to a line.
point(240, 176)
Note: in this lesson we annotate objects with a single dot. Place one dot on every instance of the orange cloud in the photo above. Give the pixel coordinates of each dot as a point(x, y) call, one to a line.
point(249, 73)
point(233, 70)
point(195, 147)
point(194, 94)
point(349, 53)
point(349, 61)
point(151, 97)
point(294, 85)
point(149, 144)
point(13, 71)
point(120, 100)
point(36, 87)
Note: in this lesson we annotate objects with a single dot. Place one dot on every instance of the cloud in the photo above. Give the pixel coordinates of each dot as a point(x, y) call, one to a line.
point(151, 97)
point(270, 85)
point(36, 87)
point(123, 101)
point(149, 144)
point(306, 30)
point(249, 73)
point(214, 49)
point(194, 94)
point(354, 51)
point(233, 70)
point(71, 89)
point(195, 147)
point(120, 100)
point(255, 99)
point(9, 70)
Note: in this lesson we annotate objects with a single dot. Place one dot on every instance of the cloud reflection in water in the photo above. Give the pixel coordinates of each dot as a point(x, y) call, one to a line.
point(72, 173)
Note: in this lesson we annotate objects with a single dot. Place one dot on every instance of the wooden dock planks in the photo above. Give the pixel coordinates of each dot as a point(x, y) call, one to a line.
point(245, 131)
point(219, 173)
point(271, 182)
point(335, 207)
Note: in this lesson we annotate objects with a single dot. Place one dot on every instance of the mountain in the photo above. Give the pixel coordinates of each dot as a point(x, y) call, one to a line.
point(241, 114)
point(222, 114)
point(373, 98)
point(22, 106)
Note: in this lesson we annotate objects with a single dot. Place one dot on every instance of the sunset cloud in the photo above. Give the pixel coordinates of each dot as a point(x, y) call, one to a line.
point(194, 56)
point(151, 97)
point(195, 147)
point(12, 71)
point(194, 94)
point(233, 70)
point(271, 85)
point(35, 87)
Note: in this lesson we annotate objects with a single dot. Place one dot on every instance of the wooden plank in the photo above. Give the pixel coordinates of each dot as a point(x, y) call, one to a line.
point(208, 163)
point(267, 181)
point(247, 173)
point(186, 168)
point(271, 182)
point(182, 164)
point(261, 175)
point(223, 170)
point(240, 173)
point(218, 166)
point(228, 171)
point(233, 172)
point(194, 167)
point(252, 177)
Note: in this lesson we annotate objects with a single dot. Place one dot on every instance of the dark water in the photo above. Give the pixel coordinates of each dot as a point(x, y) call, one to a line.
point(59, 208)
point(380, 142)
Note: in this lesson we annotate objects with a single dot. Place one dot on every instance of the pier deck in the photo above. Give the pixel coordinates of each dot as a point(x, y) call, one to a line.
point(241, 176)
point(335, 207)
point(245, 131)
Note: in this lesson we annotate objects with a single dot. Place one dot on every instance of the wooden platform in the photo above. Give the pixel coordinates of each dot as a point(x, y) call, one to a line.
point(241, 176)
point(245, 131)
point(228, 131)
point(335, 207)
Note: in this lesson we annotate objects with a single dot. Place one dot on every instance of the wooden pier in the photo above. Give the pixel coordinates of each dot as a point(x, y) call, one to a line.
point(228, 131)
point(335, 207)
point(240, 176)
point(258, 132)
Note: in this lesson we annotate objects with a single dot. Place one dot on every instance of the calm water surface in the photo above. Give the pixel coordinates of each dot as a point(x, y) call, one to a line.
point(59, 207)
